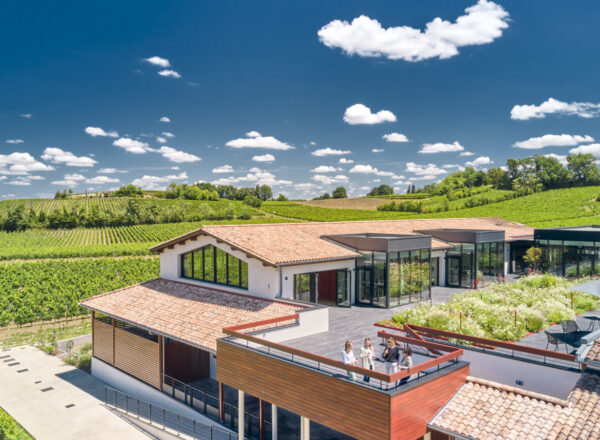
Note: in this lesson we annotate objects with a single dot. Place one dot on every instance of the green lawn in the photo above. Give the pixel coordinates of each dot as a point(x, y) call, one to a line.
point(10, 429)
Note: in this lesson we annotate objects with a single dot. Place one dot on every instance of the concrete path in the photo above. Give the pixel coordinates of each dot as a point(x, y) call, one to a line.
point(53, 400)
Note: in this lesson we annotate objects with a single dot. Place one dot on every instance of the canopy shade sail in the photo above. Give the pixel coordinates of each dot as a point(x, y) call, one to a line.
point(589, 287)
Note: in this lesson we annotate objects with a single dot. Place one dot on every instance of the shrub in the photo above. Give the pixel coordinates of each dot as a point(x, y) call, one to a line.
point(252, 201)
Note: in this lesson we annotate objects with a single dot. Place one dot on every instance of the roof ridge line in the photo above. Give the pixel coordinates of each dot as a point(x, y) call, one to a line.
point(515, 390)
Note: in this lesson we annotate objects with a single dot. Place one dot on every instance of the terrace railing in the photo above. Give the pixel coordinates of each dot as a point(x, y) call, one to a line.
point(162, 418)
point(334, 367)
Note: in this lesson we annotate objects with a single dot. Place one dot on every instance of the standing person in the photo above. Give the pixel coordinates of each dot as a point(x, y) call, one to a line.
point(391, 355)
point(367, 356)
point(406, 363)
point(349, 359)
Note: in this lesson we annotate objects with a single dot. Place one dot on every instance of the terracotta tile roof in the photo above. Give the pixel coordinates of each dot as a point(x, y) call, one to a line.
point(281, 243)
point(487, 410)
point(189, 313)
point(594, 353)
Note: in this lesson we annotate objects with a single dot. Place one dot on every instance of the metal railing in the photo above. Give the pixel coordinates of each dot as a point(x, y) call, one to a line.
point(162, 418)
point(208, 404)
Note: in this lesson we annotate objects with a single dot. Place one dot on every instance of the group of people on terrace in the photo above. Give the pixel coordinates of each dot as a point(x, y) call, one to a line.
point(393, 358)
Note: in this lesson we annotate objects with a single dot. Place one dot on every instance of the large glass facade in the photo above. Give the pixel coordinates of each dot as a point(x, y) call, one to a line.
point(308, 287)
point(214, 265)
point(395, 278)
point(490, 261)
point(570, 258)
point(468, 262)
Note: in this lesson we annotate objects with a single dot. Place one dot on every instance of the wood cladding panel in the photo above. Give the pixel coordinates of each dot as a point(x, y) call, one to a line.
point(186, 363)
point(102, 338)
point(348, 408)
point(411, 411)
point(137, 356)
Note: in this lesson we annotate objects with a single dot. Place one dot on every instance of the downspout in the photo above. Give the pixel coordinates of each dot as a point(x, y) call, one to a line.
point(279, 295)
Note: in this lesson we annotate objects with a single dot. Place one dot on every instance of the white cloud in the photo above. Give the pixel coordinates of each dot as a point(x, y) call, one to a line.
point(424, 170)
point(553, 140)
point(361, 114)
point(161, 140)
point(326, 180)
point(157, 182)
point(56, 155)
point(255, 140)
point(452, 166)
point(131, 145)
point(441, 147)
point(559, 157)
point(169, 73)
point(467, 153)
point(26, 115)
point(164, 119)
point(346, 161)
point(368, 169)
point(101, 180)
point(330, 152)
point(177, 156)
point(19, 181)
point(70, 183)
point(255, 177)
point(377, 150)
point(313, 143)
point(395, 137)
point(14, 141)
point(223, 169)
point(21, 164)
point(167, 134)
point(324, 169)
point(586, 149)
point(264, 158)
point(481, 160)
point(255, 170)
point(158, 61)
point(110, 171)
point(365, 37)
point(554, 106)
point(75, 177)
point(97, 131)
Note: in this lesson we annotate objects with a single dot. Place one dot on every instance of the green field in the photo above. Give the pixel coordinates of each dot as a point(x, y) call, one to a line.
point(561, 207)
point(50, 289)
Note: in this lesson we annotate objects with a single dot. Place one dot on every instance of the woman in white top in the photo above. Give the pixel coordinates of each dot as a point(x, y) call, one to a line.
point(367, 356)
point(349, 359)
point(406, 363)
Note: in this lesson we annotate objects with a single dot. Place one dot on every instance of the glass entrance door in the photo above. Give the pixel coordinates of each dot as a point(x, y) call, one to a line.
point(453, 276)
point(365, 277)
point(434, 271)
point(342, 284)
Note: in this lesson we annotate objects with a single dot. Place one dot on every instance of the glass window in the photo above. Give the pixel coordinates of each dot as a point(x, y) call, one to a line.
point(379, 279)
point(304, 287)
point(221, 261)
point(209, 263)
point(394, 278)
point(187, 269)
point(198, 264)
point(425, 274)
point(342, 280)
point(212, 264)
point(467, 265)
point(233, 276)
point(404, 258)
point(243, 274)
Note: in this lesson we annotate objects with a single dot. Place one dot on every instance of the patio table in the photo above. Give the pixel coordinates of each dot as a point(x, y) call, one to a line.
point(593, 320)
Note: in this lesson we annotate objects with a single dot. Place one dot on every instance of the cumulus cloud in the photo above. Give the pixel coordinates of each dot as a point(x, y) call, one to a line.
point(424, 170)
point(327, 180)
point(441, 147)
point(164, 119)
point(330, 152)
point(97, 131)
point(377, 150)
point(467, 153)
point(559, 157)
point(361, 114)
point(255, 140)
point(177, 156)
point(158, 61)
point(346, 161)
point(366, 37)
point(75, 177)
point(101, 180)
point(586, 149)
point(479, 162)
point(65, 182)
point(264, 158)
point(158, 182)
point(19, 181)
point(223, 169)
point(56, 155)
point(161, 140)
point(395, 137)
point(553, 140)
point(324, 169)
point(554, 106)
point(21, 164)
point(453, 166)
point(131, 145)
point(169, 73)
point(256, 176)
point(110, 171)
point(305, 186)
point(368, 169)
point(167, 134)
point(26, 115)
point(14, 141)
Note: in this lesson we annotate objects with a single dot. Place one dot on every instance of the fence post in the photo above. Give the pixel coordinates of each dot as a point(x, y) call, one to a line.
point(516, 329)
point(460, 324)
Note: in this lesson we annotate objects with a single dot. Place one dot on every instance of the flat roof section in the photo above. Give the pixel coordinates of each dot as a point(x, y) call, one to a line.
point(573, 233)
point(382, 242)
point(465, 235)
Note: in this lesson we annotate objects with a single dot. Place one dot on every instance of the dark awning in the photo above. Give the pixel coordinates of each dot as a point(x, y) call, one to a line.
point(590, 287)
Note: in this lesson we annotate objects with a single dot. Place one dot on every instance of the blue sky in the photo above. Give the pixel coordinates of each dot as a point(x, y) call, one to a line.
point(265, 92)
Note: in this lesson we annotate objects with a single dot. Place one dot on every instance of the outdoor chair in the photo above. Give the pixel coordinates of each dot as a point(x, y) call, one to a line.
point(570, 328)
point(553, 340)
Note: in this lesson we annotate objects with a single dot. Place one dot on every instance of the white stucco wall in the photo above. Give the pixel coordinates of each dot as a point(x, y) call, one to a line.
point(310, 322)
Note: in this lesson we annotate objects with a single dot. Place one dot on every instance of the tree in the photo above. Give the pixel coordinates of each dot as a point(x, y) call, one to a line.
point(129, 191)
point(263, 192)
point(533, 257)
point(381, 190)
point(282, 198)
point(339, 193)
point(252, 201)
point(584, 169)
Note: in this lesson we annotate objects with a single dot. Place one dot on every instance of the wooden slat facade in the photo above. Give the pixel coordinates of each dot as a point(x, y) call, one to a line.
point(352, 409)
point(133, 354)
point(102, 341)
